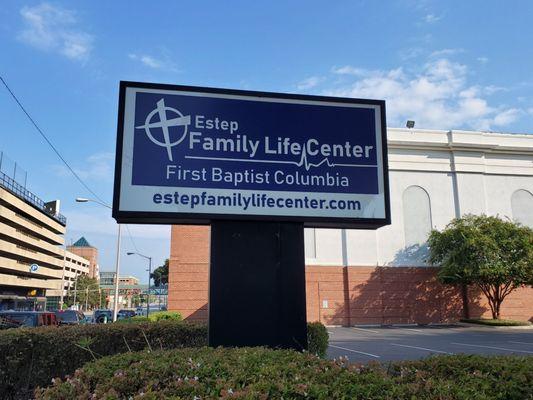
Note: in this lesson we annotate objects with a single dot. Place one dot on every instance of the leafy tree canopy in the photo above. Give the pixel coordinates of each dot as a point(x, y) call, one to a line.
point(160, 274)
point(86, 289)
point(491, 253)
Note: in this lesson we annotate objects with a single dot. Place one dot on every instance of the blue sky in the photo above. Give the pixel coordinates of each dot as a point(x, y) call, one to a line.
point(445, 64)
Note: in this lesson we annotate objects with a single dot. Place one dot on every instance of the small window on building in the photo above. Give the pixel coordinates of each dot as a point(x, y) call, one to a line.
point(310, 242)
point(522, 207)
point(416, 216)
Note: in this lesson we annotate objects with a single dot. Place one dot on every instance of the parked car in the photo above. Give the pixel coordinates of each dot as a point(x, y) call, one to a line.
point(11, 319)
point(126, 314)
point(103, 316)
point(70, 317)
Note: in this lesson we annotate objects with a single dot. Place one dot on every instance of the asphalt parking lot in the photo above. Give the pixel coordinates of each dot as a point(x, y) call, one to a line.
point(362, 344)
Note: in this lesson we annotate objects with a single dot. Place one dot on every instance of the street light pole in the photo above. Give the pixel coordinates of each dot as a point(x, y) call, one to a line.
point(149, 277)
point(117, 262)
point(117, 267)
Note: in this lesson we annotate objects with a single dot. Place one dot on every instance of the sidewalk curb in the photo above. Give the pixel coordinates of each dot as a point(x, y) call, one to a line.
point(471, 324)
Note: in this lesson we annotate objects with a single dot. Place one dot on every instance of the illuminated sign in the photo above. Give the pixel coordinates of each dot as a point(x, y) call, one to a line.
point(191, 155)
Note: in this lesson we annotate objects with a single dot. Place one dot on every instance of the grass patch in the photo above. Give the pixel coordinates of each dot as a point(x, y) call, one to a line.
point(496, 322)
point(259, 373)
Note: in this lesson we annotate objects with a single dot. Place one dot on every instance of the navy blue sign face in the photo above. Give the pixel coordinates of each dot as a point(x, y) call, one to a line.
point(204, 153)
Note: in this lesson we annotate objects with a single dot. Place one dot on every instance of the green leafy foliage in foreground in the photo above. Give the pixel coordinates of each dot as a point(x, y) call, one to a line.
point(257, 373)
point(32, 357)
point(496, 322)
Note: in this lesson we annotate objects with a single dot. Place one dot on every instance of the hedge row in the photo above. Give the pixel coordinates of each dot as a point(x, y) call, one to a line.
point(258, 373)
point(32, 357)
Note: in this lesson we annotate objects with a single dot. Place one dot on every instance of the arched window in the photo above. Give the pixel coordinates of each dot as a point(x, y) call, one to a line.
point(416, 216)
point(522, 207)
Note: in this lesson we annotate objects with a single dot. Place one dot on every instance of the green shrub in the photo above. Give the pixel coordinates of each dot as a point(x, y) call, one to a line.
point(496, 322)
point(165, 315)
point(133, 320)
point(34, 356)
point(317, 339)
point(258, 373)
point(31, 357)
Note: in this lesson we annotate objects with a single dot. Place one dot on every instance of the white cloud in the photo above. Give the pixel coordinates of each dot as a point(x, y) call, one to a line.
point(410, 53)
point(507, 117)
point(491, 89)
point(446, 52)
point(52, 28)
point(309, 83)
point(98, 166)
point(349, 70)
point(152, 62)
point(439, 96)
point(431, 18)
point(483, 60)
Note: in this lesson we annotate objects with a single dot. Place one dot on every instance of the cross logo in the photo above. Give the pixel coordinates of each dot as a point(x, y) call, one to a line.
point(165, 124)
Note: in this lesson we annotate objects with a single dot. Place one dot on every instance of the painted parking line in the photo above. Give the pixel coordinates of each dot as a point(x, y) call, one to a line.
point(492, 347)
point(364, 330)
point(528, 343)
point(355, 351)
point(421, 348)
point(410, 330)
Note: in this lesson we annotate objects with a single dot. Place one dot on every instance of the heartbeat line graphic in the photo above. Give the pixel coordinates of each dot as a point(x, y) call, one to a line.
point(303, 162)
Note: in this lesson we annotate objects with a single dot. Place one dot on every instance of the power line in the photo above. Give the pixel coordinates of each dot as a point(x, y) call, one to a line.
point(48, 141)
point(131, 238)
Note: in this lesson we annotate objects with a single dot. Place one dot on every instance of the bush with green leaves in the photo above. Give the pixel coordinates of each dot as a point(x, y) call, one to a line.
point(165, 315)
point(317, 339)
point(34, 356)
point(258, 373)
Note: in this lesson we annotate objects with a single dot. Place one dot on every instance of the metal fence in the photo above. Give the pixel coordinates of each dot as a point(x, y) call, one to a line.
point(20, 191)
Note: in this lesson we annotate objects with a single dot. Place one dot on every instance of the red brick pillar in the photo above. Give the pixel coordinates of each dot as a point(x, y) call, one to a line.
point(188, 271)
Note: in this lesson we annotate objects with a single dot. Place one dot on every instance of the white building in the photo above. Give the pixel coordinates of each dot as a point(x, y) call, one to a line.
point(435, 176)
point(380, 276)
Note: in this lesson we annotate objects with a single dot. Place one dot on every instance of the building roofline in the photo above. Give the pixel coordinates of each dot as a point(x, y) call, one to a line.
point(19, 191)
point(464, 131)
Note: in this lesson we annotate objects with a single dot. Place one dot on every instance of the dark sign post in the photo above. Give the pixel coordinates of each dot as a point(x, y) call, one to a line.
point(258, 167)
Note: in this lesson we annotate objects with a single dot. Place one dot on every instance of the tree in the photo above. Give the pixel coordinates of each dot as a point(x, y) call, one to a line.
point(493, 254)
point(86, 288)
point(160, 274)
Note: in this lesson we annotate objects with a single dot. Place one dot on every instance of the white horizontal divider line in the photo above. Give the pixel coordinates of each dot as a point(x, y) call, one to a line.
point(492, 347)
point(364, 329)
point(421, 348)
point(355, 351)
